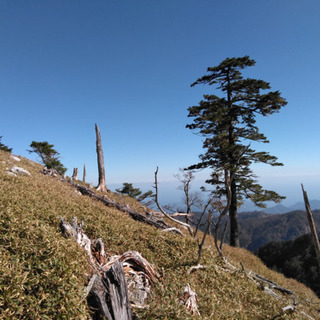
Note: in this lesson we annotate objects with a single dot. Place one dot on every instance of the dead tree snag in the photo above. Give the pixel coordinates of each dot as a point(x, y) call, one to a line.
point(102, 178)
point(314, 235)
point(84, 173)
point(75, 174)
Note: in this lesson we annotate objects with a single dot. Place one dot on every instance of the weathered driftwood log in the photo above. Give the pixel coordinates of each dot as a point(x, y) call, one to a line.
point(108, 291)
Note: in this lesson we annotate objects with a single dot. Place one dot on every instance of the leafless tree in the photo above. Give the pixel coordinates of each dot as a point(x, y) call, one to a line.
point(213, 204)
point(191, 199)
point(170, 217)
point(102, 179)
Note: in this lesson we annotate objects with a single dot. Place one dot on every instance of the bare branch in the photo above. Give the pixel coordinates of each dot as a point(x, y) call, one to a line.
point(160, 208)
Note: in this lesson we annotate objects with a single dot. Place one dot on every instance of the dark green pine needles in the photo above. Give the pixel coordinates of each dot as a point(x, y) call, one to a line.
point(228, 123)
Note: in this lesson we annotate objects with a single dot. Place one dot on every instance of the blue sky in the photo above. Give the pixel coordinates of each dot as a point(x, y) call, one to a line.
point(128, 65)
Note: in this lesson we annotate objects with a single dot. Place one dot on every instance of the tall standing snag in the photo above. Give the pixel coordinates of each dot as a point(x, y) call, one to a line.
point(314, 235)
point(75, 174)
point(84, 173)
point(102, 178)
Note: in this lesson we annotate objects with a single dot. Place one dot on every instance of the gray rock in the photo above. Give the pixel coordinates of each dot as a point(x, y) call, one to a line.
point(20, 171)
point(11, 174)
point(15, 158)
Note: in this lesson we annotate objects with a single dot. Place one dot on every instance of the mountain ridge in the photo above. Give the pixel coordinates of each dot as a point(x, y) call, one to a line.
point(280, 208)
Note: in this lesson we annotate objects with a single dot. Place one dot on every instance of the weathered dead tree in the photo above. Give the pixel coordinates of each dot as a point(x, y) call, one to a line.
point(314, 235)
point(117, 281)
point(75, 174)
point(84, 173)
point(102, 177)
point(191, 199)
point(184, 224)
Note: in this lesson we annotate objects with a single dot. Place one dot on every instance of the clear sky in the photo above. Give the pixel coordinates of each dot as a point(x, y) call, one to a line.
point(128, 65)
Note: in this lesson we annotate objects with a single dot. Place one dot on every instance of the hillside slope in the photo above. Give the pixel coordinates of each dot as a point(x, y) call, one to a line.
point(295, 259)
point(43, 275)
point(258, 229)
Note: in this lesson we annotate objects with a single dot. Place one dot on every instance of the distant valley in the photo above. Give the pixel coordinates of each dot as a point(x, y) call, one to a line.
point(259, 228)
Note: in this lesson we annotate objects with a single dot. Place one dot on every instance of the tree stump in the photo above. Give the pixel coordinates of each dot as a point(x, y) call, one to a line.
point(75, 174)
point(108, 297)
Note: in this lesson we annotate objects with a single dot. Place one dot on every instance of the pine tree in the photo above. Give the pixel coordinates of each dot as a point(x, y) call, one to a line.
point(136, 193)
point(228, 125)
point(48, 155)
point(4, 147)
point(129, 190)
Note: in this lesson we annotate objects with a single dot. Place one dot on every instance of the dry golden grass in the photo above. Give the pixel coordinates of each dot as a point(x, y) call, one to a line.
point(43, 275)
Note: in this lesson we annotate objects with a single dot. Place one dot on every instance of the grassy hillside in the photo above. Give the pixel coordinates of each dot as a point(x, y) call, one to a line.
point(43, 275)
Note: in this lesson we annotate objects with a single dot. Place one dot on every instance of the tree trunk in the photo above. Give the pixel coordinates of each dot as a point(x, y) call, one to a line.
point(75, 174)
point(109, 295)
point(233, 215)
point(102, 179)
point(84, 173)
point(314, 235)
point(233, 210)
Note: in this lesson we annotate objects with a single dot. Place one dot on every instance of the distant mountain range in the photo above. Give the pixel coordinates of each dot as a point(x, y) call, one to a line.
point(259, 228)
point(280, 208)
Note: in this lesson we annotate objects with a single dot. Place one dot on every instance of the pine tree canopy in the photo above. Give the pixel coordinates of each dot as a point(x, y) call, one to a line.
point(129, 190)
point(48, 155)
point(228, 124)
point(3, 147)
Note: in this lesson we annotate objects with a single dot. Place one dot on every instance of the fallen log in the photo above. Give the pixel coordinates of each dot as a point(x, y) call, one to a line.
point(145, 218)
point(149, 219)
point(270, 283)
